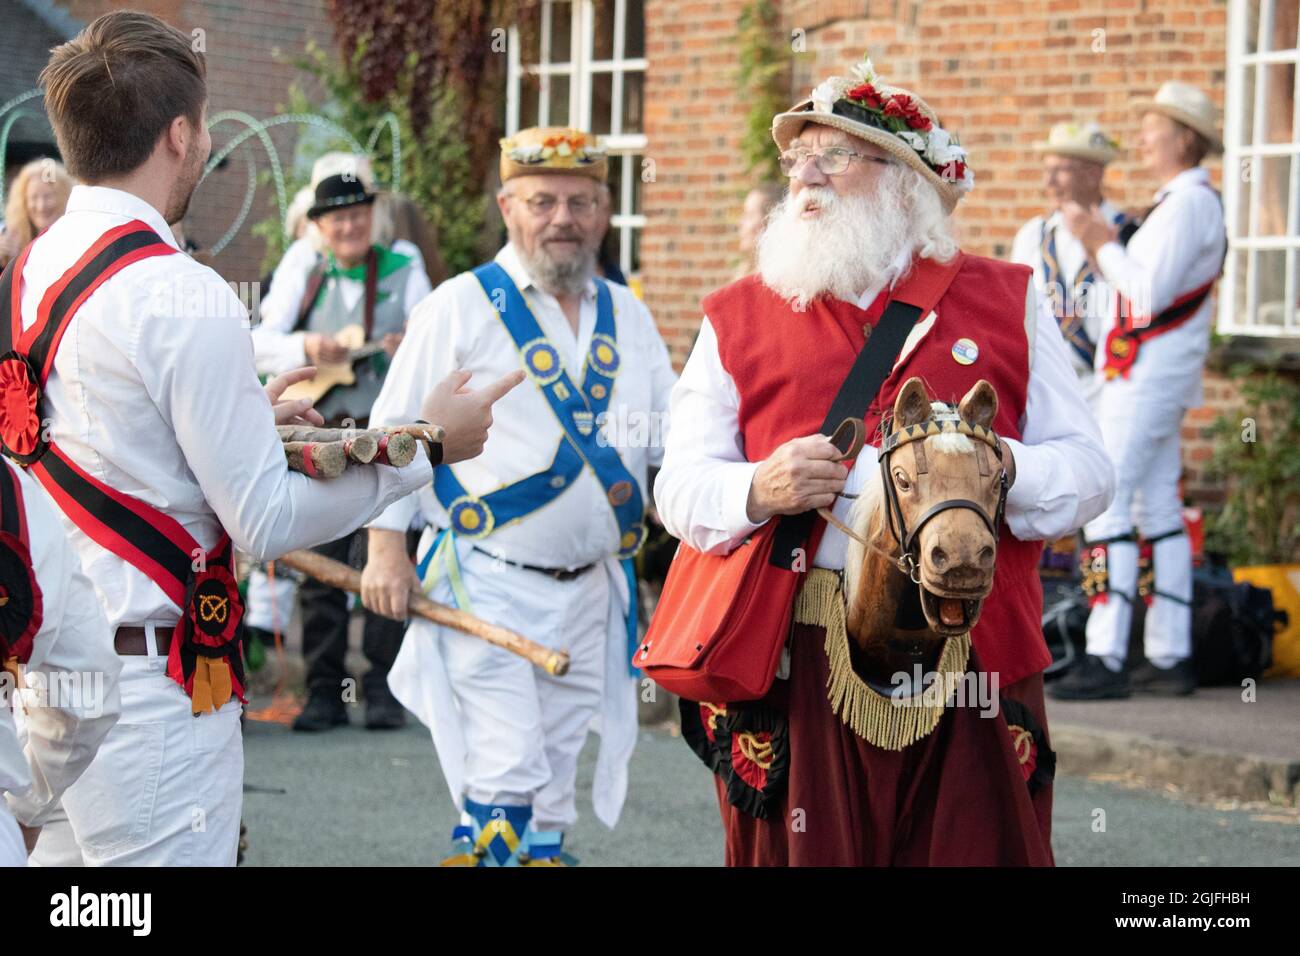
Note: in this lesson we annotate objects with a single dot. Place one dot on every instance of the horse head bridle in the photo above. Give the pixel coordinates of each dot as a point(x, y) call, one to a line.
point(943, 423)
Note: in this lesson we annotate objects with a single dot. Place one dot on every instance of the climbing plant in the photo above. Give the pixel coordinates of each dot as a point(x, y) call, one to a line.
point(762, 80)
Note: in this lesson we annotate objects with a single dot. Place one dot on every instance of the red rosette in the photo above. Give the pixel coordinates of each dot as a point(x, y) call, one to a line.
point(1121, 353)
point(214, 608)
point(752, 755)
point(20, 399)
point(21, 604)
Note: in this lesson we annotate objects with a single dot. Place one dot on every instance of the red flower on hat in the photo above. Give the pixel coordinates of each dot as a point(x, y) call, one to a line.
point(866, 93)
point(20, 424)
point(900, 105)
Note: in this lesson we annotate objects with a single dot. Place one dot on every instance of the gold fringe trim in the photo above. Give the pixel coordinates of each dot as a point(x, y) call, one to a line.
point(887, 722)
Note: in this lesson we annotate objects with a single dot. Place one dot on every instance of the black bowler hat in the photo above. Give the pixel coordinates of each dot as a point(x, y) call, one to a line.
point(339, 192)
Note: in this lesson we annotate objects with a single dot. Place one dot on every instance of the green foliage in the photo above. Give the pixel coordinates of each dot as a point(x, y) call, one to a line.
point(1257, 454)
point(762, 80)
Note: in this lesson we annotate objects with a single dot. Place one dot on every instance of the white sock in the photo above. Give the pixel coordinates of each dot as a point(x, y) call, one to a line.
point(1113, 664)
point(1164, 663)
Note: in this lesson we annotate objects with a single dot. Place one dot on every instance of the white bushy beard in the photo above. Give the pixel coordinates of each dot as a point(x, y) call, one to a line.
point(854, 244)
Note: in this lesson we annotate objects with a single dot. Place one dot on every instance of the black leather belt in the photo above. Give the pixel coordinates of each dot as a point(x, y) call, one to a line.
point(134, 641)
point(559, 574)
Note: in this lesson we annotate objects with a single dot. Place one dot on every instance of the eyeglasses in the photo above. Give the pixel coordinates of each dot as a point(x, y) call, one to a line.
point(830, 161)
point(544, 204)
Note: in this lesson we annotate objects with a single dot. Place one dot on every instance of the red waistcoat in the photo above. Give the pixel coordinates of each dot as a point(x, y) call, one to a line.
point(788, 366)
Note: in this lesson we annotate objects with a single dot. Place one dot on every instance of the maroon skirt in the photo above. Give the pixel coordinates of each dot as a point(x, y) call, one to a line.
point(976, 791)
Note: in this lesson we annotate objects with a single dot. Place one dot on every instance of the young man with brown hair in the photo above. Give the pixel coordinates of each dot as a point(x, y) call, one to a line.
point(155, 439)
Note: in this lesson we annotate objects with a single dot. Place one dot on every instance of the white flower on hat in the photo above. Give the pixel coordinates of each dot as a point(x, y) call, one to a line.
point(915, 140)
point(864, 72)
point(828, 92)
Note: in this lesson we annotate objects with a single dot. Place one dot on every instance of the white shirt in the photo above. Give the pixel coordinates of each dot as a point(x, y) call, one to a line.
point(1071, 256)
point(154, 393)
point(1179, 248)
point(278, 348)
point(457, 327)
point(72, 699)
point(1063, 476)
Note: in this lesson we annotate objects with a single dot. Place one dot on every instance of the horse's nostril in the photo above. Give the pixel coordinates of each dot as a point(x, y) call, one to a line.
point(987, 557)
point(939, 558)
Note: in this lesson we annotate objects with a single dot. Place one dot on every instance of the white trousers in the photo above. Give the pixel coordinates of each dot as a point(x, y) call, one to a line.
point(165, 789)
point(515, 732)
point(1142, 436)
point(13, 851)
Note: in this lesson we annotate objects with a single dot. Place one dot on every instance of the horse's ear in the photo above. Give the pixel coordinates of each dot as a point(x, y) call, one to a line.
point(912, 405)
point(980, 406)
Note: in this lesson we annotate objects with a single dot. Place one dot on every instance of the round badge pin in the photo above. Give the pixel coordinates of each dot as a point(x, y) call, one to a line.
point(965, 352)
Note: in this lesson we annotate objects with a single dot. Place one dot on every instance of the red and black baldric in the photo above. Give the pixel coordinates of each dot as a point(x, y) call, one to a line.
point(1124, 339)
point(21, 606)
point(205, 658)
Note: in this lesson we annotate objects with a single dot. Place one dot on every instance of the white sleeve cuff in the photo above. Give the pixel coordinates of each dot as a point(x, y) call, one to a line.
point(1025, 497)
point(736, 481)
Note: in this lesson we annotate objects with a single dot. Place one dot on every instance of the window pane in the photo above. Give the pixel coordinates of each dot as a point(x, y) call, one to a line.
point(1279, 102)
point(559, 101)
point(529, 95)
point(634, 264)
point(602, 39)
point(1237, 261)
point(602, 94)
point(1271, 270)
point(634, 31)
point(616, 185)
point(1245, 132)
point(637, 183)
point(530, 35)
point(633, 95)
point(1244, 193)
point(561, 31)
point(1272, 189)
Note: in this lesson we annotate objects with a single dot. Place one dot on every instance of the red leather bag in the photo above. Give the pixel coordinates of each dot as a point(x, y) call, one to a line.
point(722, 620)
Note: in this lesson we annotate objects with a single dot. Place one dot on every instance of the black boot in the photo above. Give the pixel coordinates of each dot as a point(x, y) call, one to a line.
point(1090, 679)
point(383, 712)
point(324, 711)
point(1176, 681)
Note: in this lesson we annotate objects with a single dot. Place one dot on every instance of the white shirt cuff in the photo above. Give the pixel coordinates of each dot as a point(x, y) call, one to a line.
point(1024, 498)
point(736, 482)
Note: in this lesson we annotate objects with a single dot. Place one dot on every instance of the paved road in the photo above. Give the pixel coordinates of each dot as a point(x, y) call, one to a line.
point(351, 798)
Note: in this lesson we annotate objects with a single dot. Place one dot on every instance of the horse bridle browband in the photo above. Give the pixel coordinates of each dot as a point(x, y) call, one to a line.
point(908, 541)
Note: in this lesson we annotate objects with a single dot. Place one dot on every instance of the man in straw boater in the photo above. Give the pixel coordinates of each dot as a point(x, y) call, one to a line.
point(861, 283)
point(538, 532)
point(1074, 162)
point(343, 310)
point(1163, 266)
point(60, 673)
point(131, 396)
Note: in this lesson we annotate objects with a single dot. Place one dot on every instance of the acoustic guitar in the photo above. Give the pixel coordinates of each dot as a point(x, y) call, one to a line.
point(336, 374)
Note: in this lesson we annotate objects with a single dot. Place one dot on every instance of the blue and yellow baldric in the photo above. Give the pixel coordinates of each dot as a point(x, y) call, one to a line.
point(578, 409)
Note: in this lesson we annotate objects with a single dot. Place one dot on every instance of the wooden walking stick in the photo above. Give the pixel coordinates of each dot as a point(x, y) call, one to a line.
point(316, 459)
point(360, 446)
point(339, 575)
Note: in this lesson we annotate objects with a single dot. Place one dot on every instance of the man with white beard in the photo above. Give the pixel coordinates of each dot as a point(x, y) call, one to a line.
point(873, 180)
point(537, 534)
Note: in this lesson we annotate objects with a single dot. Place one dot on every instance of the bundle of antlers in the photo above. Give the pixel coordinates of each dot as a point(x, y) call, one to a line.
point(327, 452)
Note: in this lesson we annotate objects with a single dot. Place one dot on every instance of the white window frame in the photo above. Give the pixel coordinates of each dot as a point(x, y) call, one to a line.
point(622, 147)
point(1237, 153)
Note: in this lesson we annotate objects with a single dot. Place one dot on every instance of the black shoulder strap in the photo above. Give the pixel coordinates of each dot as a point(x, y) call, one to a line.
point(315, 279)
point(869, 371)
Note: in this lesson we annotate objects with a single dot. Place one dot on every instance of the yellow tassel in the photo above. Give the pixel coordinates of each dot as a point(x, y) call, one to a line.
point(220, 679)
point(887, 722)
point(201, 692)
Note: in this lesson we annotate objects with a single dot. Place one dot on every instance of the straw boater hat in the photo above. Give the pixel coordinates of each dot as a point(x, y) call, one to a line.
point(887, 116)
point(1080, 141)
point(1187, 105)
point(552, 149)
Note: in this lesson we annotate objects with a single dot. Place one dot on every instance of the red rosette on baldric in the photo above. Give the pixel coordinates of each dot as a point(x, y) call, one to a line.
point(1121, 353)
point(21, 605)
point(214, 610)
point(20, 409)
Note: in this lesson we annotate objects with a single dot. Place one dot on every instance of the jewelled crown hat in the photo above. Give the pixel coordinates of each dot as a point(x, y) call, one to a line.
point(552, 149)
point(890, 117)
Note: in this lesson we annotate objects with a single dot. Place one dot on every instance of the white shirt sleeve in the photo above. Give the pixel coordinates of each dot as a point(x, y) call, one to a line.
point(71, 653)
point(703, 488)
point(662, 380)
point(417, 280)
point(198, 370)
point(277, 347)
point(427, 356)
point(1064, 478)
point(1154, 274)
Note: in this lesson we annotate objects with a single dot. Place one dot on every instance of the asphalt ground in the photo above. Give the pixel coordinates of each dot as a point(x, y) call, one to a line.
point(356, 798)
